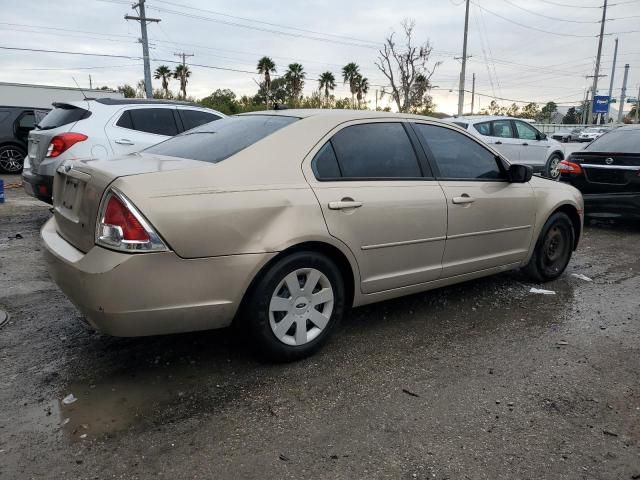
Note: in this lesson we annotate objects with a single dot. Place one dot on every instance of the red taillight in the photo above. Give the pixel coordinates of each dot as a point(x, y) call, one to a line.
point(63, 142)
point(116, 214)
point(572, 168)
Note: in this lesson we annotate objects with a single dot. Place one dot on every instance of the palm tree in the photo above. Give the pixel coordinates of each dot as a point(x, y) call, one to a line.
point(294, 77)
point(163, 72)
point(327, 82)
point(349, 74)
point(182, 73)
point(362, 87)
point(266, 67)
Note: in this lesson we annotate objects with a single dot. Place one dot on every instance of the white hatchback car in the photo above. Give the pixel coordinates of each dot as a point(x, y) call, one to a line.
point(102, 128)
point(517, 140)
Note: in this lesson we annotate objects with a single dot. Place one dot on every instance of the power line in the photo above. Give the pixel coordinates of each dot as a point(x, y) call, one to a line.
point(547, 16)
point(557, 4)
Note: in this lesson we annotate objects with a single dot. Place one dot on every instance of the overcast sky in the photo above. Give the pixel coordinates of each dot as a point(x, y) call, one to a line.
point(509, 60)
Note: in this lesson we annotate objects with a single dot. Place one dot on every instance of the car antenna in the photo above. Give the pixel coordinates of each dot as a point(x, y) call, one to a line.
point(81, 91)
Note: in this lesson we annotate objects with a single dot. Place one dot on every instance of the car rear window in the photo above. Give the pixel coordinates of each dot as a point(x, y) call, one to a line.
point(63, 114)
point(215, 141)
point(617, 141)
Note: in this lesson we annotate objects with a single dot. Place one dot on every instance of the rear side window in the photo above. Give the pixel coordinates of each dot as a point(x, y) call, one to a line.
point(375, 150)
point(215, 141)
point(63, 114)
point(483, 128)
point(502, 129)
point(457, 156)
point(159, 121)
point(325, 163)
point(195, 118)
point(617, 141)
point(27, 120)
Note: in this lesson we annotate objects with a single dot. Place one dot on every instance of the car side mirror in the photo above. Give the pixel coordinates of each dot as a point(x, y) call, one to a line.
point(541, 136)
point(520, 173)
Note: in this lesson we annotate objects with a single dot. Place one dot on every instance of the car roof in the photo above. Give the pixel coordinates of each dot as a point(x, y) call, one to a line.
point(477, 118)
point(139, 101)
point(342, 114)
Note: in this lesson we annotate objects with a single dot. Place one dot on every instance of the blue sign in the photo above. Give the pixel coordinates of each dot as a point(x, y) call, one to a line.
point(601, 104)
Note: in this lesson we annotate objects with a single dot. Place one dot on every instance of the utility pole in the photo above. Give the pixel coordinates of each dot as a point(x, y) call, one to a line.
point(613, 72)
point(376, 99)
point(638, 107)
point(623, 92)
point(464, 61)
point(594, 88)
point(586, 105)
point(184, 57)
point(143, 19)
point(90, 83)
point(473, 92)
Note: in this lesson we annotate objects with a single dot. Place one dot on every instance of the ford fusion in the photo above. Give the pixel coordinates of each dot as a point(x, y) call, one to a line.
point(280, 221)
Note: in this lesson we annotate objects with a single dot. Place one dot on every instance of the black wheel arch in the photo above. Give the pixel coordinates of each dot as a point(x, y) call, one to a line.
point(572, 212)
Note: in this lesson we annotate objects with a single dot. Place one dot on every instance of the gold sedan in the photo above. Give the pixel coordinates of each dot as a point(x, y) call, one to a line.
point(283, 220)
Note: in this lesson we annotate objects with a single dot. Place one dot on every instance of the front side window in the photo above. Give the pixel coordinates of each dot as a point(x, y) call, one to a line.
point(458, 156)
point(215, 141)
point(159, 121)
point(375, 150)
point(502, 129)
point(526, 132)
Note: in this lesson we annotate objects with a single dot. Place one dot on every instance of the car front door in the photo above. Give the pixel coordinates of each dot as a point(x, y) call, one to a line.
point(136, 128)
point(379, 197)
point(490, 220)
point(533, 149)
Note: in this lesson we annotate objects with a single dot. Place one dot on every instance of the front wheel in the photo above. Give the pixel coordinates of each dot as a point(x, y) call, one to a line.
point(295, 306)
point(551, 170)
point(553, 249)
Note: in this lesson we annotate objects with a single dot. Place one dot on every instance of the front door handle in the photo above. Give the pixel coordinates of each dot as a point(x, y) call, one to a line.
point(344, 204)
point(463, 199)
point(498, 143)
point(124, 141)
point(525, 144)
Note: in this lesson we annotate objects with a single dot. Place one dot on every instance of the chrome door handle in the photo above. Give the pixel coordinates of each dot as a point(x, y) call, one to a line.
point(124, 141)
point(463, 199)
point(344, 204)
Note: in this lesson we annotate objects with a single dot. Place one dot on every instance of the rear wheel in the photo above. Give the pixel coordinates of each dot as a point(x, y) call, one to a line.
point(11, 159)
point(295, 306)
point(551, 170)
point(553, 249)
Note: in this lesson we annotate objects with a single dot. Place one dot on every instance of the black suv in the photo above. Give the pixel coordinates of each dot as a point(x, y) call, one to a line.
point(15, 125)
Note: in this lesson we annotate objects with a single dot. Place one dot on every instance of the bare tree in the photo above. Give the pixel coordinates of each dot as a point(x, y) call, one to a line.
point(407, 68)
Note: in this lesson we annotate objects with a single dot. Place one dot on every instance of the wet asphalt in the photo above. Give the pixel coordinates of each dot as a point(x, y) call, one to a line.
point(482, 380)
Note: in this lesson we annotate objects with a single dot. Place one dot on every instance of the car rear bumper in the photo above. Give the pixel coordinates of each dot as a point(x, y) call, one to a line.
point(39, 186)
point(132, 295)
point(623, 204)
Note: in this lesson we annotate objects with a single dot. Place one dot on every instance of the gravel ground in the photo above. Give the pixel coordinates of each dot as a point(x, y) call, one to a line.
point(482, 380)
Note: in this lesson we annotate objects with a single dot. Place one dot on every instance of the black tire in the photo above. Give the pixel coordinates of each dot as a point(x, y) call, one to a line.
point(553, 249)
point(11, 158)
point(551, 168)
point(256, 317)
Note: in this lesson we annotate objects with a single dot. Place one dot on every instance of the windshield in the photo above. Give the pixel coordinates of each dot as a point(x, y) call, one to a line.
point(617, 141)
point(215, 141)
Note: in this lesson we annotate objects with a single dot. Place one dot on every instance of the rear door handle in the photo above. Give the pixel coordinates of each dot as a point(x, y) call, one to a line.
point(463, 199)
point(124, 141)
point(344, 204)
point(498, 143)
point(525, 144)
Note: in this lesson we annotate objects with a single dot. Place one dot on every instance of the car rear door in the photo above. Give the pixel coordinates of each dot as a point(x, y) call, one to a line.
point(378, 197)
point(490, 220)
point(499, 134)
point(135, 128)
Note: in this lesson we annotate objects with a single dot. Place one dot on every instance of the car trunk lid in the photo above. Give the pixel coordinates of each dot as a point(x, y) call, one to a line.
point(79, 186)
point(612, 172)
